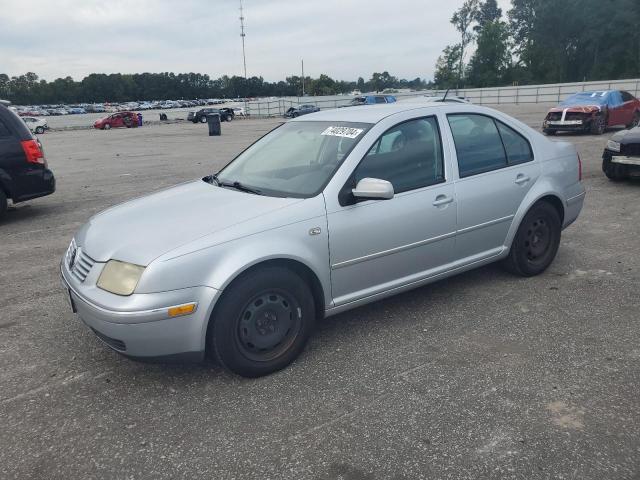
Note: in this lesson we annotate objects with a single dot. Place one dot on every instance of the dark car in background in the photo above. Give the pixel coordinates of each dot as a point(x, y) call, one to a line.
point(593, 112)
point(371, 100)
point(621, 157)
point(23, 168)
point(226, 114)
point(304, 109)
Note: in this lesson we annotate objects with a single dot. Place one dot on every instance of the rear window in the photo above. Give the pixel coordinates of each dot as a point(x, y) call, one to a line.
point(4, 130)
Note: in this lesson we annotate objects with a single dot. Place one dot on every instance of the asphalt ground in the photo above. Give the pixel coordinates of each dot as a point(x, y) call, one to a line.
point(484, 375)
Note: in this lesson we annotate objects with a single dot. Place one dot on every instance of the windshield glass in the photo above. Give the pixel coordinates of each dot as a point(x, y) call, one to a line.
point(586, 98)
point(296, 159)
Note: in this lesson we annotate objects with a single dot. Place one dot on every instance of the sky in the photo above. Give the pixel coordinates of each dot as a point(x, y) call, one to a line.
point(343, 38)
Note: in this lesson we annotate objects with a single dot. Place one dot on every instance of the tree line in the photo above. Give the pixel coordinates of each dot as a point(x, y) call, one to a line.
point(28, 89)
point(541, 41)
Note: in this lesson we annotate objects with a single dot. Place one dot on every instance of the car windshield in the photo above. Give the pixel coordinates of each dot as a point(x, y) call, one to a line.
point(586, 98)
point(296, 159)
point(358, 101)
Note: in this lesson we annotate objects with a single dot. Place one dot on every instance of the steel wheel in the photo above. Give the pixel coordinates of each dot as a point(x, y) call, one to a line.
point(538, 239)
point(536, 242)
point(268, 325)
point(262, 321)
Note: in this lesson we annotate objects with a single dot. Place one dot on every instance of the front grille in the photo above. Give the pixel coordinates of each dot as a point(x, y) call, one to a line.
point(574, 116)
point(78, 262)
point(631, 149)
point(112, 342)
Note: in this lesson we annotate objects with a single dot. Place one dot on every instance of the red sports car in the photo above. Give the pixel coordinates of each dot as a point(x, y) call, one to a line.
point(593, 112)
point(120, 119)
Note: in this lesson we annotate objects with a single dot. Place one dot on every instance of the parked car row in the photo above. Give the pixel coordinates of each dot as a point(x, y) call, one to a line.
point(50, 110)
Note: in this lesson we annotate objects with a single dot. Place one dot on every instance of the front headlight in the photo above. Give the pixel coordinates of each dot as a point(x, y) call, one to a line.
point(613, 146)
point(120, 278)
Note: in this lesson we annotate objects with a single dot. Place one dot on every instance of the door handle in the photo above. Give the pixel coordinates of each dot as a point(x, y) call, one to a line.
point(522, 179)
point(442, 200)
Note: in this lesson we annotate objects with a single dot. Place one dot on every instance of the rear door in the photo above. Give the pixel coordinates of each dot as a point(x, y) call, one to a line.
point(15, 173)
point(495, 172)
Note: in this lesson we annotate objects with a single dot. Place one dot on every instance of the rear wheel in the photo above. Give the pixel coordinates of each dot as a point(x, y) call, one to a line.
point(536, 242)
point(3, 204)
point(262, 322)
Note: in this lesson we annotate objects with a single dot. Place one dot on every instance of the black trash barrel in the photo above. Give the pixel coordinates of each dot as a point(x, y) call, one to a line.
point(213, 121)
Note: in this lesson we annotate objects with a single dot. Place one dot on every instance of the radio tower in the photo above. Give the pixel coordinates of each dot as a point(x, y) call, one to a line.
point(242, 34)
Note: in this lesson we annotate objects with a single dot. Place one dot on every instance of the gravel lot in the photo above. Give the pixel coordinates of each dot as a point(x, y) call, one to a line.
point(484, 375)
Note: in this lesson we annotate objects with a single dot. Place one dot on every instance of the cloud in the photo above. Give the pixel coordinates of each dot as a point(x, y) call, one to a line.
point(344, 39)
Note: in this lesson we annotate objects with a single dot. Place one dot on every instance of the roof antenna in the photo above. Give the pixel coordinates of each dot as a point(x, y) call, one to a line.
point(445, 95)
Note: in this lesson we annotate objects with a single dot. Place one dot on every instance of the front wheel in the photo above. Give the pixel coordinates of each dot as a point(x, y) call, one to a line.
point(229, 117)
point(262, 322)
point(536, 242)
point(203, 119)
point(107, 126)
point(636, 120)
point(598, 125)
point(39, 130)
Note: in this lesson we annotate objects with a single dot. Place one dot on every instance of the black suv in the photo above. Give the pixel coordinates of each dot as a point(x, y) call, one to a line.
point(23, 169)
point(226, 114)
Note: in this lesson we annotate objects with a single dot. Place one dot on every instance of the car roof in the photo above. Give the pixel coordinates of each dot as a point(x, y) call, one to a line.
point(366, 113)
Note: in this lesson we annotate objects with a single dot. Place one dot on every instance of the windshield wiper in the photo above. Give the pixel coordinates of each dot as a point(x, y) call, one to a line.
point(239, 186)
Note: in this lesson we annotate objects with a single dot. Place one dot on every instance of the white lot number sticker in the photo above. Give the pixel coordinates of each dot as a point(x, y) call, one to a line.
point(347, 132)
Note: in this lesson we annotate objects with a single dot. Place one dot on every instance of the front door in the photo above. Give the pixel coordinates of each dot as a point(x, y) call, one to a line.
point(376, 245)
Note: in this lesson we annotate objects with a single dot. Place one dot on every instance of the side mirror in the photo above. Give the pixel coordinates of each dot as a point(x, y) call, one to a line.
point(373, 188)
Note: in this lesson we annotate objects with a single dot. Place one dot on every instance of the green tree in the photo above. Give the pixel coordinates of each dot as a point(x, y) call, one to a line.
point(462, 20)
point(489, 63)
point(447, 73)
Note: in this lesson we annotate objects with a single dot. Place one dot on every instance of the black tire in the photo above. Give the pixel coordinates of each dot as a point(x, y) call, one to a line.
point(536, 242)
point(598, 125)
point(3, 204)
point(636, 120)
point(295, 115)
point(229, 117)
point(107, 126)
point(262, 322)
point(614, 173)
point(546, 131)
point(39, 130)
point(203, 119)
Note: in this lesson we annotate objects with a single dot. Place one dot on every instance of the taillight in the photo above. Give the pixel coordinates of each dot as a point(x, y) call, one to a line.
point(33, 152)
point(579, 168)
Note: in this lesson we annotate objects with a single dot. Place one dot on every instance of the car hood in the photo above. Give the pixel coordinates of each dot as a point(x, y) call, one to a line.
point(627, 136)
point(576, 109)
point(140, 230)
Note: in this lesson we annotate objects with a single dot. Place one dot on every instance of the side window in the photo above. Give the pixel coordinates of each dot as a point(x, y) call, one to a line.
point(478, 144)
point(626, 96)
point(380, 100)
point(517, 147)
point(4, 131)
point(408, 155)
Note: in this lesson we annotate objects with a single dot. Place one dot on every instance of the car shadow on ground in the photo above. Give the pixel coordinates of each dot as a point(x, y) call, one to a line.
point(28, 211)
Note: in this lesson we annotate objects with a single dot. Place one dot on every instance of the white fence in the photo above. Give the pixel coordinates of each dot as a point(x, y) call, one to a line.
point(550, 93)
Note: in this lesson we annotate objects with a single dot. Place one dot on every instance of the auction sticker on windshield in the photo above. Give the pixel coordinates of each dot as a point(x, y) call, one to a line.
point(347, 132)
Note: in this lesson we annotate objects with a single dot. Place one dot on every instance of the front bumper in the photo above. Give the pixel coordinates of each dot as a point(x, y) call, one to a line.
point(627, 165)
point(147, 333)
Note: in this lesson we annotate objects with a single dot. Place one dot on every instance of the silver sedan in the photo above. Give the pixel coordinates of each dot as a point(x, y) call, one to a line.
point(327, 212)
